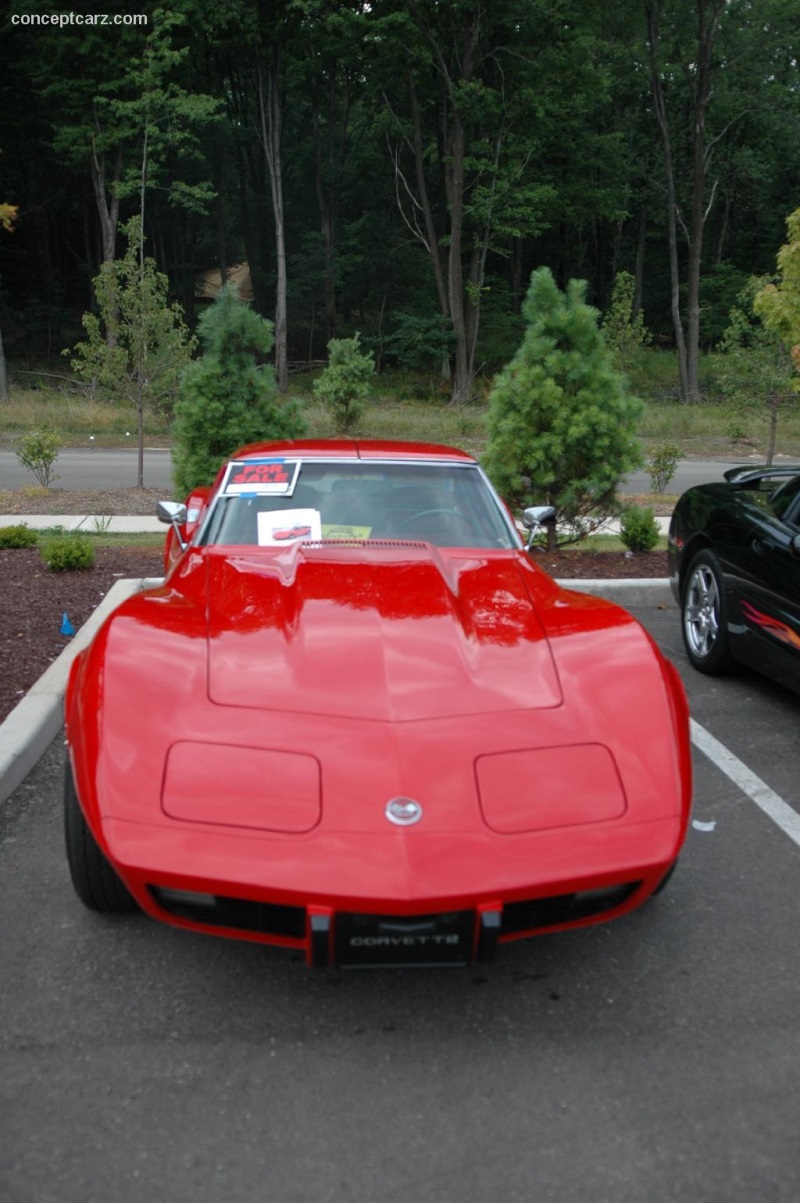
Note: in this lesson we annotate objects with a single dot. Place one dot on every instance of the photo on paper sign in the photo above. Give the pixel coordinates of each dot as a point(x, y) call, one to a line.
point(277, 527)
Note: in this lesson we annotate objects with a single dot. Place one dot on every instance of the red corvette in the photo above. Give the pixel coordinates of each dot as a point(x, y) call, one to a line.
point(391, 740)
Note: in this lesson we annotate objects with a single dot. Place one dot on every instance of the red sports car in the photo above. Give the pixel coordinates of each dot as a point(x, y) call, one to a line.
point(393, 741)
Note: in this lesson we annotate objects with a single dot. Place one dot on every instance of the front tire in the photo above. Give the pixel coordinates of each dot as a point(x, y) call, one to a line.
point(93, 879)
point(704, 619)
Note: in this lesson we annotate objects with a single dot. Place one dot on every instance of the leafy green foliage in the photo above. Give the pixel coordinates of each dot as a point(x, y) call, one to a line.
point(561, 423)
point(778, 304)
point(163, 116)
point(137, 345)
point(344, 385)
point(638, 529)
point(661, 464)
point(67, 553)
point(624, 330)
point(38, 452)
point(228, 396)
point(754, 364)
point(420, 341)
point(19, 535)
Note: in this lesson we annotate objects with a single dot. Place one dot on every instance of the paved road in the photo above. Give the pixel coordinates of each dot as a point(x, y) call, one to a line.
point(94, 468)
point(98, 468)
point(652, 1059)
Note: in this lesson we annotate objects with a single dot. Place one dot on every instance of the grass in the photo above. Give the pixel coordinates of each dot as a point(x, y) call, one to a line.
point(140, 541)
point(155, 541)
point(76, 417)
point(414, 407)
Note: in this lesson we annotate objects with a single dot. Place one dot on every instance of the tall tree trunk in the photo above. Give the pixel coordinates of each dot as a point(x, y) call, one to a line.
point(462, 378)
point(270, 110)
point(455, 142)
point(477, 273)
point(432, 238)
point(708, 14)
point(327, 217)
point(652, 8)
point(106, 199)
point(722, 232)
point(107, 202)
point(700, 74)
point(515, 270)
point(3, 376)
point(641, 243)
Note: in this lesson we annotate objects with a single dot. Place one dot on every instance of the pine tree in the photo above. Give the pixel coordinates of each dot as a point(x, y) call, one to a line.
point(228, 397)
point(345, 384)
point(561, 423)
point(623, 328)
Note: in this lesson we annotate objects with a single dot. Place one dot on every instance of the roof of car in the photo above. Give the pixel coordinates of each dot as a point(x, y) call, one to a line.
point(354, 448)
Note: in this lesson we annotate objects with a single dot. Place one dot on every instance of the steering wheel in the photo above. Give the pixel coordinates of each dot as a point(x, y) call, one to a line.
point(425, 514)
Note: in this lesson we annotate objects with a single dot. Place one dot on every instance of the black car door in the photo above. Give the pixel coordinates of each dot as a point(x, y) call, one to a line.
point(768, 585)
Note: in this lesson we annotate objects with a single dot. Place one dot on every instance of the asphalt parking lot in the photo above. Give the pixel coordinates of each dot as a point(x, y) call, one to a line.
point(653, 1058)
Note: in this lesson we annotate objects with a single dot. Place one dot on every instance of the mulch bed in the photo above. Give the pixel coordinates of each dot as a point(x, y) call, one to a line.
point(34, 601)
point(81, 501)
point(602, 565)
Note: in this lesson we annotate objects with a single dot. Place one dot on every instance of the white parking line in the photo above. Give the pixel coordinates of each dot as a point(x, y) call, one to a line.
point(757, 790)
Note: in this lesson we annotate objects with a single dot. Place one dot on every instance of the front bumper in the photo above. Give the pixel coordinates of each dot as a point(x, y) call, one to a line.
point(407, 902)
point(362, 941)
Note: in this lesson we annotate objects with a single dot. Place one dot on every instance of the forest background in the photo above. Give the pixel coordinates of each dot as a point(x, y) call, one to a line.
point(399, 168)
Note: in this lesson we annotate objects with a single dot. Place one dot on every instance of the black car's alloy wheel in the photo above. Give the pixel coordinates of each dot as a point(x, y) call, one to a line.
point(703, 615)
point(95, 882)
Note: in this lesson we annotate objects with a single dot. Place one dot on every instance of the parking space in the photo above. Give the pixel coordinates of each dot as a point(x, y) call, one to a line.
point(655, 1057)
point(756, 720)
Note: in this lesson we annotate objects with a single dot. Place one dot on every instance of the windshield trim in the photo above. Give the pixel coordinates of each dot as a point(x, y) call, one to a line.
point(220, 497)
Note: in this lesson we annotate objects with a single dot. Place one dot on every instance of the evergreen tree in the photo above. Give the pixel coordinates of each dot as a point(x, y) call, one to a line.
point(228, 397)
point(561, 424)
point(623, 328)
point(344, 386)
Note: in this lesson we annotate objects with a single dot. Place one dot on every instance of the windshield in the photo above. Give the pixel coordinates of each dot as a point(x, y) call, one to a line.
point(273, 501)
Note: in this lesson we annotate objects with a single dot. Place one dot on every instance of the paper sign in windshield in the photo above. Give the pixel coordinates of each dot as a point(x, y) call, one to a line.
point(263, 477)
point(351, 534)
point(278, 527)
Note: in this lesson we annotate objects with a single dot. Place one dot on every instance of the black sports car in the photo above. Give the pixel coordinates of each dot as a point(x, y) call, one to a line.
point(734, 556)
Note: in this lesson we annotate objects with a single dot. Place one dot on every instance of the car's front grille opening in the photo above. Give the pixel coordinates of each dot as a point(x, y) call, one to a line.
point(564, 908)
point(239, 913)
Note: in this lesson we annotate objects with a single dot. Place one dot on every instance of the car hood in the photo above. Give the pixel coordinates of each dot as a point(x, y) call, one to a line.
point(394, 632)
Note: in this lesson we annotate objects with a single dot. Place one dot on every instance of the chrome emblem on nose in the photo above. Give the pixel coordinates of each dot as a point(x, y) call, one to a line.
point(403, 811)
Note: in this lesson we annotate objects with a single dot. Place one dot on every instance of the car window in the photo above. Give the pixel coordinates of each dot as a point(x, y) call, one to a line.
point(276, 502)
point(782, 500)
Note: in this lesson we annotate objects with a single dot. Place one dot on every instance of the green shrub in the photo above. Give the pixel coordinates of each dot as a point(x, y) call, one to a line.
point(661, 464)
point(37, 452)
point(560, 413)
point(639, 530)
point(17, 536)
point(344, 386)
point(228, 397)
point(66, 553)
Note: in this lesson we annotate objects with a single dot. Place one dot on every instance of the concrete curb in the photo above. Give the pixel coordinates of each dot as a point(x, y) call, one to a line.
point(91, 524)
point(34, 723)
point(633, 591)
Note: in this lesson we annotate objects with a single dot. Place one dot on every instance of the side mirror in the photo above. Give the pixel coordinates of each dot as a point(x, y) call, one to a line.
point(174, 514)
point(795, 545)
point(535, 517)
